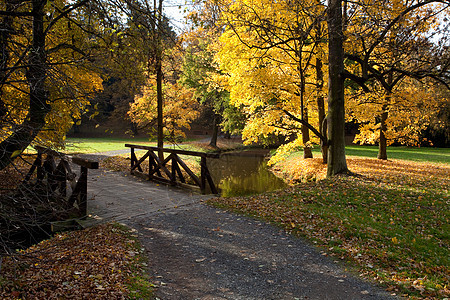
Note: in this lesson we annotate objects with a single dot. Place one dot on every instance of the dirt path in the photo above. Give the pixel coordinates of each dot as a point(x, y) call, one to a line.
point(199, 252)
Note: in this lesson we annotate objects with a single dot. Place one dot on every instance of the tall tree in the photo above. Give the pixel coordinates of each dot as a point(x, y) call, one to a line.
point(44, 42)
point(388, 42)
point(268, 51)
point(336, 109)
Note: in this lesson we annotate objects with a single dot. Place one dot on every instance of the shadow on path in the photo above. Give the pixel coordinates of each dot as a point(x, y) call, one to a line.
point(199, 252)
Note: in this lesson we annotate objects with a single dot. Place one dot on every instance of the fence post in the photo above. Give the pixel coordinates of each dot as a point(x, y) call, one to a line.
point(83, 191)
point(203, 174)
point(80, 191)
point(133, 159)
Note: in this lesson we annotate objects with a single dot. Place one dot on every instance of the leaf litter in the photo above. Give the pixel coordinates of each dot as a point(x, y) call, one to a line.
point(390, 218)
point(101, 262)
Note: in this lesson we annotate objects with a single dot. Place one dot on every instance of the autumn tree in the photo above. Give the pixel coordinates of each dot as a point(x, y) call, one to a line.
point(129, 56)
point(387, 45)
point(336, 109)
point(199, 70)
point(268, 52)
point(180, 109)
point(413, 108)
point(46, 76)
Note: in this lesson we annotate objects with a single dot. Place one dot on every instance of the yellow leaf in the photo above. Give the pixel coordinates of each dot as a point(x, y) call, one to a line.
point(16, 153)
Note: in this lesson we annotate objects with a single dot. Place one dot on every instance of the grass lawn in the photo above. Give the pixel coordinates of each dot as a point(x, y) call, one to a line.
point(391, 219)
point(92, 145)
point(424, 154)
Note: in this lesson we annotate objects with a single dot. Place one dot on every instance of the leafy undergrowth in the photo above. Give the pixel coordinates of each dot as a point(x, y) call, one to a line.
point(15, 173)
point(391, 219)
point(102, 262)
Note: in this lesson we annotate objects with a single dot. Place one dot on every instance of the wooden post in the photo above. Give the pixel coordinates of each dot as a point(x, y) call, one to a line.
point(82, 199)
point(80, 191)
point(61, 178)
point(173, 178)
point(132, 160)
point(203, 174)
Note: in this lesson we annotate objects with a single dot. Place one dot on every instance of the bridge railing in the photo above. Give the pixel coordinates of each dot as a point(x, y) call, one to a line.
point(53, 168)
point(173, 174)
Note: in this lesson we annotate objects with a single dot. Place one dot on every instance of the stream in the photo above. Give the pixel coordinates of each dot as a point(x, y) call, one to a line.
point(243, 173)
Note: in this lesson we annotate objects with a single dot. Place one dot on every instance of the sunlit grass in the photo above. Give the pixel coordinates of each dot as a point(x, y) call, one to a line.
point(424, 154)
point(390, 219)
point(93, 145)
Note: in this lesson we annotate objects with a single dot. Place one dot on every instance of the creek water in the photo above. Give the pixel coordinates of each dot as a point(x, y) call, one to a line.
point(243, 173)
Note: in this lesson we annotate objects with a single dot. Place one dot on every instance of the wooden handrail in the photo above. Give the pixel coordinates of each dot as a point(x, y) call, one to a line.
point(158, 167)
point(176, 151)
point(57, 175)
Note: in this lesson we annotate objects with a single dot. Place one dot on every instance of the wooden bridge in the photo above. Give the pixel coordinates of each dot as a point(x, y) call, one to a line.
point(56, 176)
point(159, 170)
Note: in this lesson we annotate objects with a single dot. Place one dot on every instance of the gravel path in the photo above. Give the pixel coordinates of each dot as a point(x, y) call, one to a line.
point(199, 252)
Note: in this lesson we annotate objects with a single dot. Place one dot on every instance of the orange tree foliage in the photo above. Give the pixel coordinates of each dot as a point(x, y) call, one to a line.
point(180, 108)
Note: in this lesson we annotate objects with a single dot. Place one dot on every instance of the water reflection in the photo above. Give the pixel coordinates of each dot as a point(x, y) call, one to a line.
point(244, 173)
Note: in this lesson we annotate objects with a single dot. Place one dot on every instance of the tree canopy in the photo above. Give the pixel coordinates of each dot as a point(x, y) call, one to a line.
point(264, 63)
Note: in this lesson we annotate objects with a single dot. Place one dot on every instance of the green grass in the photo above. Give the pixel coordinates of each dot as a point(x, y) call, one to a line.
point(424, 154)
point(92, 145)
point(391, 220)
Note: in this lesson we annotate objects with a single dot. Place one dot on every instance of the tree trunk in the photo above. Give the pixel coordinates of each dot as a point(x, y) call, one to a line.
point(321, 108)
point(382, 144)
point(36, 75)
point(159, 95)
point(213, 142)
point(5, 35)
point(336, 111)
point(307, 153)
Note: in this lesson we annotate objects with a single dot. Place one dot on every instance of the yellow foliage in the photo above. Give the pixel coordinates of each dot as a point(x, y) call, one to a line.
point(411, 108)
point(179, 108)
point(269, 70)
point(70, 80)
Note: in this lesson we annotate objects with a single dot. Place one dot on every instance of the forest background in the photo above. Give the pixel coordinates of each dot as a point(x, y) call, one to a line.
point(257, 68)
point(293, 75)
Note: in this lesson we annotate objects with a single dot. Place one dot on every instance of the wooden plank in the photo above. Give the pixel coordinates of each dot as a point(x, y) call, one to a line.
point(133, 159)
point(138, 162)
point(160, 165)
point(48, 151)
point(176, 168)
point(90, 164)
point(153, 166)
point(82, 200)
point(37, 162)
point(191, 174)
point(207, 176)
point(61, 178)
point(176, 151)
point(203, 174)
